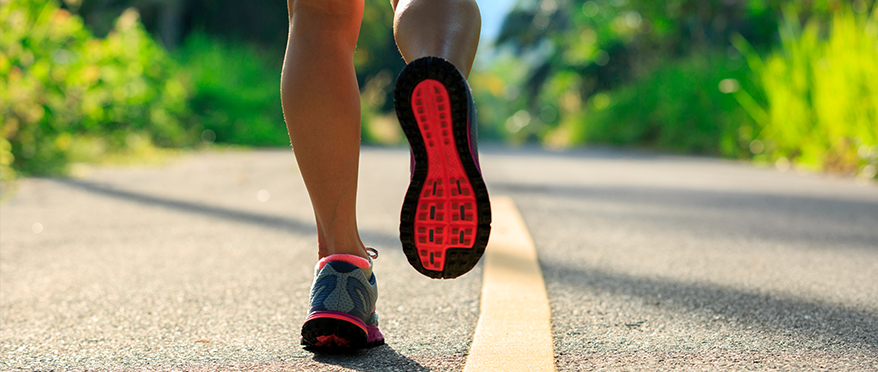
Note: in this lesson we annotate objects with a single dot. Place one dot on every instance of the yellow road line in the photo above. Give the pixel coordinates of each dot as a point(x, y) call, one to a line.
point(514, 332)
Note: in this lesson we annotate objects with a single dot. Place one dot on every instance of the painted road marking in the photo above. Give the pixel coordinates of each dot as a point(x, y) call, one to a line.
point(514, 332)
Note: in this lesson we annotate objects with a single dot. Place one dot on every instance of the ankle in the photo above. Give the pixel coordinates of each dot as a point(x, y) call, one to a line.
point(364, 263)
point(352, 249)
point(339, 240)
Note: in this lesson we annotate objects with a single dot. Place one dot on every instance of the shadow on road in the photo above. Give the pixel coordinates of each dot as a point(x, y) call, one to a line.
point(381, 358)
point(754, 215)
point(286, 224)
point(758, 215)
point(823, 323)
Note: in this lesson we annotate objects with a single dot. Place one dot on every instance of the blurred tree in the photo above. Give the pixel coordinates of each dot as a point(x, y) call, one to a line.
point(578, 49)
point(68, 96)
point(606, 43)
point(263, 22)
point(252, 36)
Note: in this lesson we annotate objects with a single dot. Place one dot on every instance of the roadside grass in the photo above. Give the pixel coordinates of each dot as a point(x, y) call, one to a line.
point(810, 104)
point(820, 89)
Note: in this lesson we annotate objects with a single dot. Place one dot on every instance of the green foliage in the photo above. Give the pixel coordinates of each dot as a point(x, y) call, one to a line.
point(377, 55)
point(498, 96)
point(378, 62)
point(821, 96)
point(260, 22)
point(663, 75)
point(683, 106)
point(609, 43)
point(236, 92)
point(578, 49)
point(237, 85)
point(67, 96)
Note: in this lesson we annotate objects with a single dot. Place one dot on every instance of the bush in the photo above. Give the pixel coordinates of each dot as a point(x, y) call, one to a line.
point(67, 96)
point(681, 106)
point(495, 88)
point(237, 92)
point(821, 96)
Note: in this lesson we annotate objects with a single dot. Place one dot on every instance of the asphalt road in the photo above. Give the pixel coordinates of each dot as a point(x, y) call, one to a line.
point(671, 263)
point(650, 263)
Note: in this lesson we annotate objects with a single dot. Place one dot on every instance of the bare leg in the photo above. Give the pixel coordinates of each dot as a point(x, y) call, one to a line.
point(321, 105)
point(440, 28)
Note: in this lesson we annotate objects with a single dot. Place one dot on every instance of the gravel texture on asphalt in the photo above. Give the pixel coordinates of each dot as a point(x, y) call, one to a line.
point(205, 264)
point(651, 263)
point(671, 263)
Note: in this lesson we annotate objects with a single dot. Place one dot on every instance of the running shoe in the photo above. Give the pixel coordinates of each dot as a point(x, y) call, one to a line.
point(446, 214)
point(342, 314)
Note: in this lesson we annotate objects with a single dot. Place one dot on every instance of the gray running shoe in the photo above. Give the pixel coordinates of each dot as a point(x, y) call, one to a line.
point(342, 314)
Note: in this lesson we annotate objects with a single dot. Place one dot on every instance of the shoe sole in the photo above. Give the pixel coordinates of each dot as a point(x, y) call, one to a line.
point(446, 215)
point(338, 331)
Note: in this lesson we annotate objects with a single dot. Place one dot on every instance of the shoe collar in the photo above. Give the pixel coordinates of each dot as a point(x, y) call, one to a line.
point(357, 261)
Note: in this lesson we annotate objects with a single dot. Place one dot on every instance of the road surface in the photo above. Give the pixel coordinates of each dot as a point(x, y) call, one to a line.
point(650, 263)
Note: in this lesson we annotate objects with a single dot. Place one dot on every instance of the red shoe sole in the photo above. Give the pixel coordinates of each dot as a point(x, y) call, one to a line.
point(328, 330)
point(446, 215)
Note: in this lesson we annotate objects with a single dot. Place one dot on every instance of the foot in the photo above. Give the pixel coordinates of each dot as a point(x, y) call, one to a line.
point(342, 314)
point(446, 215)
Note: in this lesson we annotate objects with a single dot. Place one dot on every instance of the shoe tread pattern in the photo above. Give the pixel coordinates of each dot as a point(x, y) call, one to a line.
point(353, 337)
point(458, 261)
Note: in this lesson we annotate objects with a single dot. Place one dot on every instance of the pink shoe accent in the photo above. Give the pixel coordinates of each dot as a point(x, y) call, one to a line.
point(374, 335)
point(340, 316)
point(349, 258)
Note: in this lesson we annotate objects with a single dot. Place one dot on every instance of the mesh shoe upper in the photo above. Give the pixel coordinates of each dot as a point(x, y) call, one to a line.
point(343, 287)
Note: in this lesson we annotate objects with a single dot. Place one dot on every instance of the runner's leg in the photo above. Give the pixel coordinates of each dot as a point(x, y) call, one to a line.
point(445, 218)
point(321, 105)
point(439, 28)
